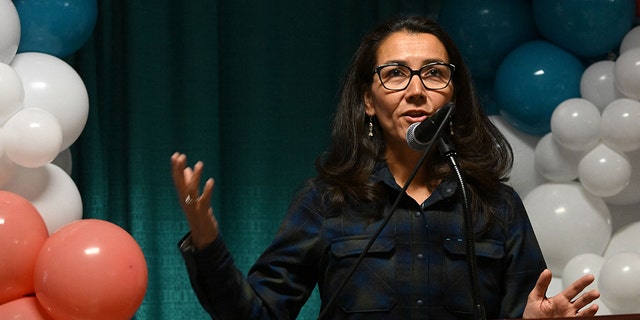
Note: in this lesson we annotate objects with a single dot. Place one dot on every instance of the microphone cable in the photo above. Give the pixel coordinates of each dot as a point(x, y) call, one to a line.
point(449, 152)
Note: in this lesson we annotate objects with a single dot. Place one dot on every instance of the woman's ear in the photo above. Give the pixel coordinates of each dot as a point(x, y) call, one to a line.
point(368, 105)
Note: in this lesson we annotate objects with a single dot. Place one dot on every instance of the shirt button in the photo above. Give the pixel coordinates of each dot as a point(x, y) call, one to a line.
point(418, 214)
point(420, 256)
point(420, 303)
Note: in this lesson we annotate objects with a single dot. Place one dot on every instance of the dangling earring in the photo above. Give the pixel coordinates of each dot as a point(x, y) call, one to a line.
point(370, 126)
point(450, 127)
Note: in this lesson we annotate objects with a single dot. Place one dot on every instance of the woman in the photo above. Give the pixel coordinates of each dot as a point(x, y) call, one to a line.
point(402, 73)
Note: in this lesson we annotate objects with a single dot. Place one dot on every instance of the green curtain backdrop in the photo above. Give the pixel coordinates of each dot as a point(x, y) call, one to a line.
point(248, 87)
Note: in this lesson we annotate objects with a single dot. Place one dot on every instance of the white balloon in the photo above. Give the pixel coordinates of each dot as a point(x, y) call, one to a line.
point(581, 265)
point(568, 221)
point(53, 85)
point(555, 162)
point(64, 161)
point(627, 239)
point(524, 176)
point(604, 172)
point(620, 283)
point(631, 193)
point(9, 31)
point(51, 191)
point(7, 168)
point(620, 125)
point(32, 137)
point(623, 216)
point(627, 74)
point(555, 287)
point(575, 124)
point(11, 94)
point(597, 84)
point(631, 40)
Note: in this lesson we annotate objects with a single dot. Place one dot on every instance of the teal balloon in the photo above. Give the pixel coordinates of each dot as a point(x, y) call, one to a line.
point(486, 31)
point(484, 89)
point(532, 81)
point(55, 27)
point(586, 28)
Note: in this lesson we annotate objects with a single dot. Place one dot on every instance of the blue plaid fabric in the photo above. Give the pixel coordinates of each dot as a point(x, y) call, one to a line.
point(415, 269)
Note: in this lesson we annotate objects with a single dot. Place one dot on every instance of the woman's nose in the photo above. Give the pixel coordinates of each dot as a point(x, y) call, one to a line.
point(416, 88)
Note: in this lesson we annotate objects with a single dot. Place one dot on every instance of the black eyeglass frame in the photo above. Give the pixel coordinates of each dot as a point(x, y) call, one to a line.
point(451, 67)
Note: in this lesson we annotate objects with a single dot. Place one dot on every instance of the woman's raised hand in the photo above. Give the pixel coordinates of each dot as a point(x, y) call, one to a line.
point(568, 303)
point(195, 205)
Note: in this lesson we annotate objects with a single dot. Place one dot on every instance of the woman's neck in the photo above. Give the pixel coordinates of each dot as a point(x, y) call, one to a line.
point(401, 162)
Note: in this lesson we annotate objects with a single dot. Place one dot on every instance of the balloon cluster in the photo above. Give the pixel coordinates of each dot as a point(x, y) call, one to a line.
point(561, 80)
point(54, 264)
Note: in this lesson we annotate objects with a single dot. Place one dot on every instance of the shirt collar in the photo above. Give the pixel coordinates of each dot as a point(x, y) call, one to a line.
point(382, 174)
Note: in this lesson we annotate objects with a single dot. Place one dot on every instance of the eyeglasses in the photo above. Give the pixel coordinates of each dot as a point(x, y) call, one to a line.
point(434, 76)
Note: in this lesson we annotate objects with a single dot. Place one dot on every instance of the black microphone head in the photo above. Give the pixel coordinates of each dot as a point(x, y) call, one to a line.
point(420, 134)
point(411, 138)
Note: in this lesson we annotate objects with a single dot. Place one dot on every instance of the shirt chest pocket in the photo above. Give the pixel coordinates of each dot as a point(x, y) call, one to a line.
point(371, 288)
point(489, 255)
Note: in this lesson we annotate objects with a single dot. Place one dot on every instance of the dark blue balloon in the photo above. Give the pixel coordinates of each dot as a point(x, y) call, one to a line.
point(486, 31)
point(532, 81)
point(586, 28)
point(55, 27)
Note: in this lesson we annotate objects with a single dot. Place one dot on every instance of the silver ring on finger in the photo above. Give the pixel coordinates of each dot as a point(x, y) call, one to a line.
point(189, 200)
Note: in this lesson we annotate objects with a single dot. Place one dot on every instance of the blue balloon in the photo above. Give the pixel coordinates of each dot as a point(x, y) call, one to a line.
point(486, 31)
point(55, 27)
point(586, 28)
point(532, 81)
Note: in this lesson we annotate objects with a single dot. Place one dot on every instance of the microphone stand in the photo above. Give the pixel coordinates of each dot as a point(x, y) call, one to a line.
point(450, 153)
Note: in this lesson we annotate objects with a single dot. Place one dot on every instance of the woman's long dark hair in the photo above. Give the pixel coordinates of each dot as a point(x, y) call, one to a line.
point(484, 155)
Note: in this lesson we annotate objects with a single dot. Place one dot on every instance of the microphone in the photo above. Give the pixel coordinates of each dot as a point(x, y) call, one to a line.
point(420, 134)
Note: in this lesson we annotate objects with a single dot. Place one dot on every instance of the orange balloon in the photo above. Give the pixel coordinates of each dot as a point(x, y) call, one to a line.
point(22, 234)
point(26, 308)
point(90, 269)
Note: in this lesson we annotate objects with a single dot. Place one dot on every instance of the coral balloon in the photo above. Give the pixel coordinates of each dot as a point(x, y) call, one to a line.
point(56, 27)
point(9, 31)
point(22, 234)
point(604, 172)
point(627, 74)
point(598, 85)
point(32, 137)
point(91, 269)
point(575, 124)
point(53, 85)
point(555, 162)
point(619, 127)
point(619, 282)
point(50, 189)
point(532, 80)
point(26, 308)
point(587, 28)
point(568, 221)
